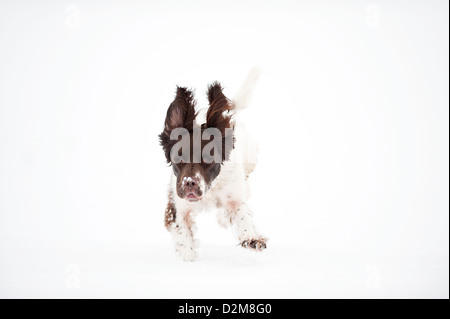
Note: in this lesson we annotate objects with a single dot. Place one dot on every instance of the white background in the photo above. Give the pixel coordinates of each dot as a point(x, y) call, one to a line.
point(351, 114)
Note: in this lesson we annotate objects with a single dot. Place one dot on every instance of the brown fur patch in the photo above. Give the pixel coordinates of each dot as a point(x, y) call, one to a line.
point(219, 104)
point(181, 113)
point(257, 244)
point(219, 117)
point(170, 213)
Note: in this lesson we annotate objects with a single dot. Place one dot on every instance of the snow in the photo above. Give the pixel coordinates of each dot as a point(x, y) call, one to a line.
point(128, 270)
point(350, 114)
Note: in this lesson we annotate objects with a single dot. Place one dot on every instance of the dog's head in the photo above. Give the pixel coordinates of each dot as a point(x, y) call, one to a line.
point(195, 151)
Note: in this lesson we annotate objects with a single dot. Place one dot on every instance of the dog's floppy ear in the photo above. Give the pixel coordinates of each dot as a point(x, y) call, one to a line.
point(219, 116)
point(219, 106)
point(181, 113)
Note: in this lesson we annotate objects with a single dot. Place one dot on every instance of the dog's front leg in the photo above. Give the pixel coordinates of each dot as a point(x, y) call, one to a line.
point(180, 224)
point(241, 217)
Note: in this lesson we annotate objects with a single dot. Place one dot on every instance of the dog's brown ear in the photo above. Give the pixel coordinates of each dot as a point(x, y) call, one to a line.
point(181, 114)
point(220, 117)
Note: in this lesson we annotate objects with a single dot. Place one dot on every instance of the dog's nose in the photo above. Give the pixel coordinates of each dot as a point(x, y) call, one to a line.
point(189, 182)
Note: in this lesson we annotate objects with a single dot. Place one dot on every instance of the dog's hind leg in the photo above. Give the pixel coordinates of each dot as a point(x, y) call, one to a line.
point(223, 217)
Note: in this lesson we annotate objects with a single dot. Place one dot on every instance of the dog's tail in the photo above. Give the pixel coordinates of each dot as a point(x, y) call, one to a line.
point(246, 148)
point(242, 99)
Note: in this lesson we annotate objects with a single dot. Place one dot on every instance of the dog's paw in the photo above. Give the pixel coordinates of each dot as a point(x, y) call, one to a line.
point(258, 244)
point(187, 253)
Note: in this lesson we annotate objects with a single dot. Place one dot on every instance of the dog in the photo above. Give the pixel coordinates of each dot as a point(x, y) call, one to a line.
point(209, 173)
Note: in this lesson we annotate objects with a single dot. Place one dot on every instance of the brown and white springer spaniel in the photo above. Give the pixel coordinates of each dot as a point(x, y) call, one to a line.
point(211, 161)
